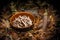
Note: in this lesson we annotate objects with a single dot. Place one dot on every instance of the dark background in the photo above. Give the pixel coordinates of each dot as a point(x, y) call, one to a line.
point(55, 3)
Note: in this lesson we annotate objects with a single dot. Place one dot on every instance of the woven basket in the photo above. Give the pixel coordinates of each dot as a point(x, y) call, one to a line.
point(17, 14)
